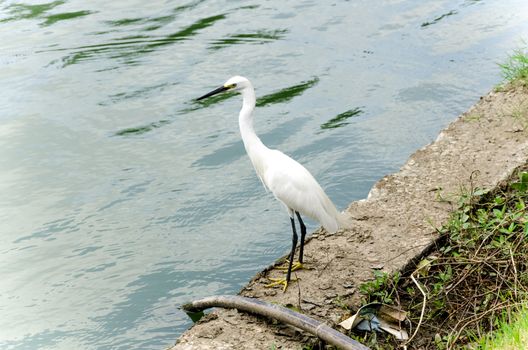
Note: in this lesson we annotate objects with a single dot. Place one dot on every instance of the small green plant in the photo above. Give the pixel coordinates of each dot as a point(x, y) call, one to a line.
point(381, 288)
point(339, 302)
point(441, 342)
point(522, 185)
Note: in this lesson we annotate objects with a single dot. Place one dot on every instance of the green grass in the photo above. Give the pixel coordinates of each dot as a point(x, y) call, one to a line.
point(477, 274)
point(515, 69)
point(510, 335)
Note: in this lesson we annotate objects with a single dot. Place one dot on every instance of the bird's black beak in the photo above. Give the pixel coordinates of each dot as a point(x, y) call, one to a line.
point(214, 92)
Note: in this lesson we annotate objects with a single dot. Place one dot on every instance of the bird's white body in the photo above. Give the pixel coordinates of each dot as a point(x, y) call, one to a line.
point(288, 180)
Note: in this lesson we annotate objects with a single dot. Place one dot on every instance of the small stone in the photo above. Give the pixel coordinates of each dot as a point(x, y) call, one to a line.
point(307, 301)
point(349, 292)
point(377, 267)
point(348, 285)
point(270, 292)
point(335, 318)
point(325, 286)
point(210, 333)
point(230, 321)
point(321, 312)
point(307, 307)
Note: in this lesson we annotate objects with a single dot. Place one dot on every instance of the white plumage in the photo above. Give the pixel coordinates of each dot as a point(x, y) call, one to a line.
point(296, 188)
point(288, 180)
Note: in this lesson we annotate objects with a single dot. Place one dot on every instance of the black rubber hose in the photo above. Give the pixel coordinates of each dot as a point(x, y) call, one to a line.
point(282, 314)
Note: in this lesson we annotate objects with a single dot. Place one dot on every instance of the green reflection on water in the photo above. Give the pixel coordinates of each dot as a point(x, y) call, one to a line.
point(249, 7)
point(340, 119)
point(142, 129)
point(125, 22)
point(121, 48)
point(158, 22)
point(286, 94)
point(259, 37)
point(64, 16)
point(194, 28)
point(25, 11)
point(439, 18)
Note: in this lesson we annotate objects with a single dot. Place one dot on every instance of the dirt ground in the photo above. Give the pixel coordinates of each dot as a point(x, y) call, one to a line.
point(389, 230)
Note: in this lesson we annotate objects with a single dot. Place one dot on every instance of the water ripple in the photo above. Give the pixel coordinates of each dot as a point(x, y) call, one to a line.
point(259, 37)
point(450, 13)
point(153, 23)
point(104, 256)
point(124, 48)
point(24, 11)
point(439, 18)
point(141, 93)
point(51, 228)
point(281, 96)
point(231, 152)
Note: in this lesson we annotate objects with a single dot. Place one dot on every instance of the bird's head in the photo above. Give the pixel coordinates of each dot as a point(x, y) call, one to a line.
point(236, 83)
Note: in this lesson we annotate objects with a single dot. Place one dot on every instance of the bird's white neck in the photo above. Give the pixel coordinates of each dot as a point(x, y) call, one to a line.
point(251, 141)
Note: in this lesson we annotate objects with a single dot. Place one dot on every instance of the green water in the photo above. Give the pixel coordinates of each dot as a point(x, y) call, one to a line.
point(121, 197)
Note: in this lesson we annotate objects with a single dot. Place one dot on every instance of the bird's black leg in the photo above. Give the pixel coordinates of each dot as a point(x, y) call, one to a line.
point(303, 234)
point(292, 254)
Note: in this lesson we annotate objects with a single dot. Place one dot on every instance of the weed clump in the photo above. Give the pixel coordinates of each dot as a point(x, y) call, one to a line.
point(477, 273)
point(515, 69)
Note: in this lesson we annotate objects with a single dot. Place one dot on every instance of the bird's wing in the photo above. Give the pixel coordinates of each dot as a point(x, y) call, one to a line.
point(294, 186)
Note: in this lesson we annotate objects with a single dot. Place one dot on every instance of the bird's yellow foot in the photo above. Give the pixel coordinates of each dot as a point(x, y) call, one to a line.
point(295, 266)
point(278, 282)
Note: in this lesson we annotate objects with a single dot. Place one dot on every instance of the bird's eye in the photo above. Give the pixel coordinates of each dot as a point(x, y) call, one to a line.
point(231, 86)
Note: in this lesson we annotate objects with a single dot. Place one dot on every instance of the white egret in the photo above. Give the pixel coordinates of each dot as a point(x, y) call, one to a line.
point(288, 180)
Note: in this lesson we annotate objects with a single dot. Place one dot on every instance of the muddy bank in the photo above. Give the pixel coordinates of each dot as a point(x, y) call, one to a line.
point(393, 226)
